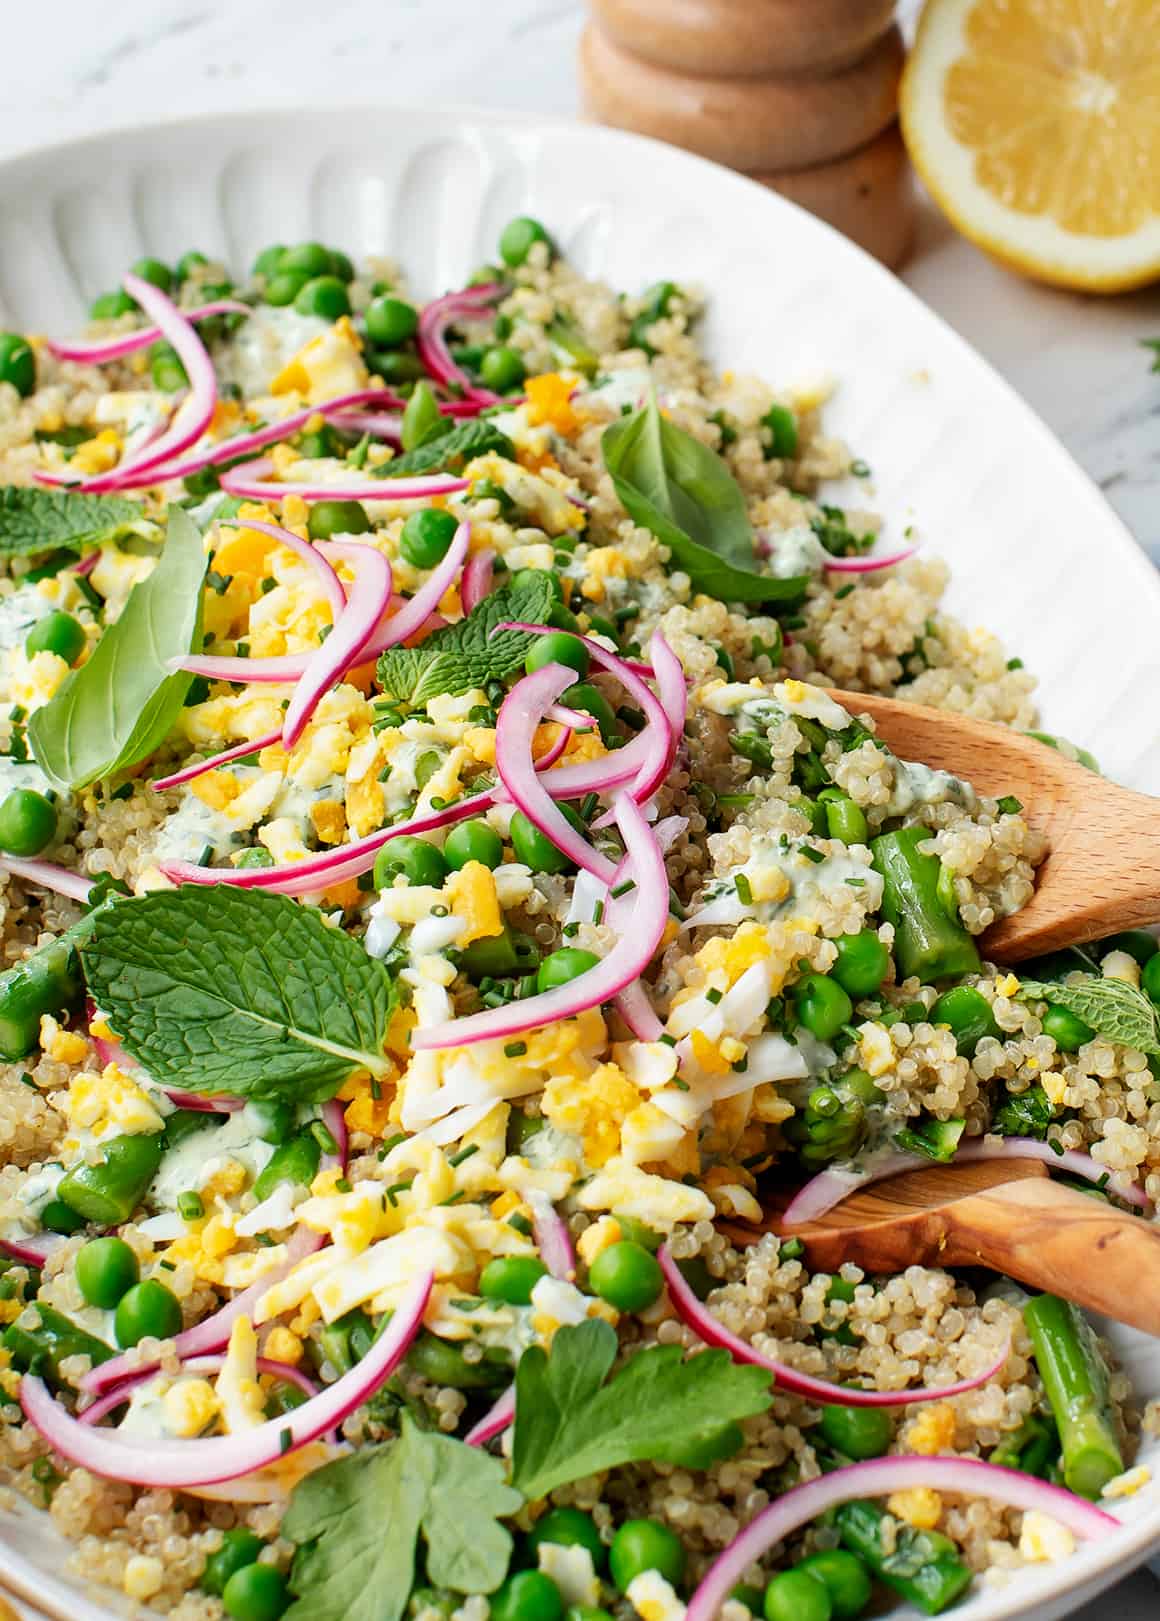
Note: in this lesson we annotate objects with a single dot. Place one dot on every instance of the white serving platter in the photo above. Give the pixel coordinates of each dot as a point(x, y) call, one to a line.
point(1038, 556)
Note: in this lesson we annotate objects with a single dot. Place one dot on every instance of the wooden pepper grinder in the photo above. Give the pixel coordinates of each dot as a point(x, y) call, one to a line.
point(800, 94)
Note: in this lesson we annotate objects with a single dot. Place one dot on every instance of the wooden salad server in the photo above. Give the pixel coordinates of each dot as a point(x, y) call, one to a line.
point(1006, 1215)
point(1103, 870)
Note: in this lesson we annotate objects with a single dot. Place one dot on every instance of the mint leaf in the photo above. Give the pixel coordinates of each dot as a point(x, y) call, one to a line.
point(450, 452)
point(119, 707)
point(229, 990)
point(683, 493)
point(1024, 1114)
point(572, 1420)
point(36, 520)
point(1112, 1007)
point(469, 654)
point(358, 1524)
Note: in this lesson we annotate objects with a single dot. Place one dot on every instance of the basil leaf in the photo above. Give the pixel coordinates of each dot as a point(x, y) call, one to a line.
point(450, 452)
point(36, 520)
point(1112, 1007)
point(116, 709)
point(683, 493)
point(229, 990)
point(469, 654)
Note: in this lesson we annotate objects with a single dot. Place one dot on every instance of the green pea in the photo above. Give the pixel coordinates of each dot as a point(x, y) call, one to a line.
point(154, 272)
point(563, 966)
point(1138, 943)
point(307, 258)
point(844, 1577)
point(108, 306)
point(822, 1006)
point(188, 263)
point(844, 819)
point(512, 1278)
point(863, 963)
point(268, 261)
point(557, 648)
point(795, 1595)
point(166, 370)
point(426, 536)
point(783, 432)
point(341, 265)
point(57, 633)
point(395, 365)
point(570, 1528)
point(1150, 978)
point(416, 860)
point(256, 1593)
point(106, 1270)
point(502, 369)
point(323, 295)
point(586, 1612)
point(1068, 1031)
point(473, 841)
point(528, 1596)
point(321, 442)
point(518, 237)
point(593, 702)
point(858, 1432)
point(283, 288)
point(240, 1547)
point(56, 1217)
point(27, 822)
point(147, 1311)
point(968, 1013)
point(535, 849)
point(627, 1276)
point(17, 363)
point(329, 518)
point(642, 1545)
point(391, 321)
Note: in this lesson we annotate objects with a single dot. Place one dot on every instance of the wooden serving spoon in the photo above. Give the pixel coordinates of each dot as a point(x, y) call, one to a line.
point(1006, 1215)
point(1103, 871)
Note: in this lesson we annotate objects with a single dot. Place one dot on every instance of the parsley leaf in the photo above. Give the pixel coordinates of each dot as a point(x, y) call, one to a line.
point(1024, 1114)
point(118, 707)
point(467, 654)
point(36, 520)
point(450, 452)
point(572, 1420)
point(229, 990)
point(358, 1523)
point(1112, 1007)
point(683, 493)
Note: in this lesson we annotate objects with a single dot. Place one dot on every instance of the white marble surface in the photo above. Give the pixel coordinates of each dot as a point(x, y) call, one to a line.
point(72, 67)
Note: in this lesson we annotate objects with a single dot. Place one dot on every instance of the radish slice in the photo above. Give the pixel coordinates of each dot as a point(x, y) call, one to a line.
point(625, 962)
point(478, 578)
point(875, 1478)
point(212, 1332)
point(149, 1460)
point(104, 1405)
point(553, 1239)
point(238, 752)
point(497, 1419)
point(250, 482)
point(830, 1187)
point(866, 565)
point(637, 1011)
point(198, 1102)
point(96, 351)
point(334, 1119)
point(47, 875)
point(378, 424)
point(34, 1250)
point(434, 320)
point(519, 715)
point(353, 629)
point(695, 1315)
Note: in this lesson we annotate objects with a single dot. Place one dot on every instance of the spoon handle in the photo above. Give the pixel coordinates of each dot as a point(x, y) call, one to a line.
point(1066, 1242)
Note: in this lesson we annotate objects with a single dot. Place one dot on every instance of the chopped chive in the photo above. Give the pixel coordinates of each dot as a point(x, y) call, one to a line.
point(168, 1266)
point(598, 912)
point(453, 1198)
point(570, 929)
point(463, 1154)
point(515, 1049)
point(520, 1223)
point(392, 1142)
point(285, 1439)
point(669, 1041)
point(843, 591)
point(1009, 805)
point(630, 716)
point(811, 854)
point(323, 1136)
point(713, 995)
point(1014, 664)
point(681, 1086)
point(744, 889)
point(189, 1206)
point(623, 889)
point(588, 806)
point(398, 1187)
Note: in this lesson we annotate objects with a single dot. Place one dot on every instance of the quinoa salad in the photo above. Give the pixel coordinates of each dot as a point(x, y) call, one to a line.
point(444, 910)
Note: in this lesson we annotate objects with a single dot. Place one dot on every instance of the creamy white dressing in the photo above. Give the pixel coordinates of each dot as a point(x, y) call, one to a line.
point(916, 784)
point(190, 829)
point(202, 1155)
point(263, 344)
point(795, 551)
point(621, 388)
point(19, 611)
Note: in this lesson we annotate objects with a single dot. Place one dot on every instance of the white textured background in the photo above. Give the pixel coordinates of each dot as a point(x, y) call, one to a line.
point(70, 66)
